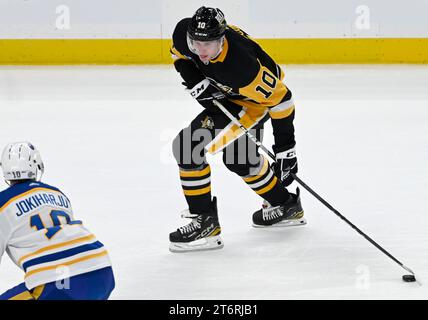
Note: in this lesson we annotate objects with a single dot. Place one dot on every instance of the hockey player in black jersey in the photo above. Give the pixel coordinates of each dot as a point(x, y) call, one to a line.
point(220, 61)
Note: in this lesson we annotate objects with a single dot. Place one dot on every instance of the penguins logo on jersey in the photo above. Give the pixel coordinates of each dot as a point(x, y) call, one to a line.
point(207, 123)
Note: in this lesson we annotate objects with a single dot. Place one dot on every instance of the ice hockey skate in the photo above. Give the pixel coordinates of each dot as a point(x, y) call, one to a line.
point(289, 214)
point(202, 233)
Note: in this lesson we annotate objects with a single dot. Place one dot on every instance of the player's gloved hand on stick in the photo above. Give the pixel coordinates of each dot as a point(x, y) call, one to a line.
point(204, 92)
point(285, 164)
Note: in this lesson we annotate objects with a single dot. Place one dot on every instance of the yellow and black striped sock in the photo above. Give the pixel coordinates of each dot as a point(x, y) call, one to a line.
point(196, 184)
point(264, 182)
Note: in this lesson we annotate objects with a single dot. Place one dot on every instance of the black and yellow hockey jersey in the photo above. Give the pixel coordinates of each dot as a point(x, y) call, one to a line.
point(248, 77)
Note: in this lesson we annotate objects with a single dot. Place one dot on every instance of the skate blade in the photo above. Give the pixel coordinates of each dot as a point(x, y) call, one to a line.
point(284, 224)
point(209, 243)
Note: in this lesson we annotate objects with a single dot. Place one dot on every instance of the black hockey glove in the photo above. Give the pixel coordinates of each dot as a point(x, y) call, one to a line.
point(204, 92)
point(285, 164)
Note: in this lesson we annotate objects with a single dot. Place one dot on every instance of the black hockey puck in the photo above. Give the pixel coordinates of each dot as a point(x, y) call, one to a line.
point(409, 278)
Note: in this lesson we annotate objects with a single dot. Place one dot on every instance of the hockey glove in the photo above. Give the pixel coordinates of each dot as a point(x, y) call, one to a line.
point(285, 164)
point(204, 92)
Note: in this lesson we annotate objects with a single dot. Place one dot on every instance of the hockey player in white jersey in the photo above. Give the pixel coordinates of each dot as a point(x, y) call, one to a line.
point(61, 259)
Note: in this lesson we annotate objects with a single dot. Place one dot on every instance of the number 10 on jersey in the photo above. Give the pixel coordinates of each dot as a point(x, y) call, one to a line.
point(55, 215)
point(269, 81)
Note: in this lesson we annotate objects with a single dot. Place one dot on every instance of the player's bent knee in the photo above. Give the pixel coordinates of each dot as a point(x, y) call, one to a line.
point(239, 169)
point(189, 154)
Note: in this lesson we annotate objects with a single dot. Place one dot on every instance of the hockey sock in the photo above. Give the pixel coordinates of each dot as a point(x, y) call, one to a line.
point(264, 182)
point(196, 184)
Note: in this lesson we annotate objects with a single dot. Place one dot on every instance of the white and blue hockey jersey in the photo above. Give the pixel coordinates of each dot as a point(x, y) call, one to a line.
point(40, 235)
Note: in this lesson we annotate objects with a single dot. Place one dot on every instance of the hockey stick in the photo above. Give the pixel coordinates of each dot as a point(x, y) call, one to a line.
point(304, 185)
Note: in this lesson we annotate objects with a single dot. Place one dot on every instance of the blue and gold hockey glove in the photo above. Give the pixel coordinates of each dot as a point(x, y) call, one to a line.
point(285, 164)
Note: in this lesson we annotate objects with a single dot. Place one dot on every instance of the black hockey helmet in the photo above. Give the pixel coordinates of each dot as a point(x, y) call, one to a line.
point(207, 24)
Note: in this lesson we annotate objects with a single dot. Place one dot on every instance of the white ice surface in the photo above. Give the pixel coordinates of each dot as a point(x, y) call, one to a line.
point(362, 132)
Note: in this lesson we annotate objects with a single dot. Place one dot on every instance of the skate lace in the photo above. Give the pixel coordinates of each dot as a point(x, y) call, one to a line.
point(194, 225)
point(271, 213)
